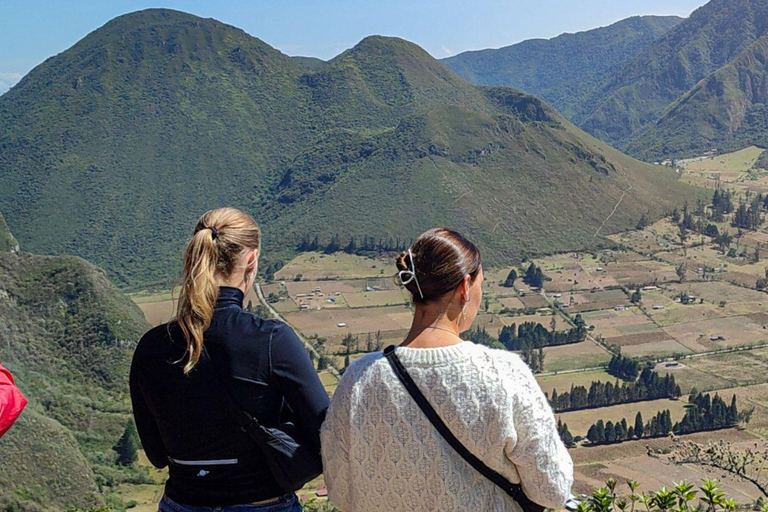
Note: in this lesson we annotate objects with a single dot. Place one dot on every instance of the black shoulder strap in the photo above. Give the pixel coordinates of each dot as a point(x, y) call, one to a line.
point(514, 490)
point(247, 422)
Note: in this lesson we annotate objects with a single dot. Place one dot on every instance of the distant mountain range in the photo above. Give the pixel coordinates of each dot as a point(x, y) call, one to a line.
point(67, 336)
point(565, 69)
point(699, 84)
point(112, 149)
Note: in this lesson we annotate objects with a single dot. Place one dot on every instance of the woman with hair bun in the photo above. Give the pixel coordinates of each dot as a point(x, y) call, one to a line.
point(196, 378)
point(382, 451)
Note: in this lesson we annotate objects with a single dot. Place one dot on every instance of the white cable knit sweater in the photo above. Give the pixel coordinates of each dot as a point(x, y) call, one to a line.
point(381, 453)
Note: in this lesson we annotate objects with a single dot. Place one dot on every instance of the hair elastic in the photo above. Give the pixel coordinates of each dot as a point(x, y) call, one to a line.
point(214, 233)
point(411, 275)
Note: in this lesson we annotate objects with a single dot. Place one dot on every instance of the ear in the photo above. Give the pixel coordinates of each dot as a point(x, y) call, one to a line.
point(465, 286)
point(252, 260)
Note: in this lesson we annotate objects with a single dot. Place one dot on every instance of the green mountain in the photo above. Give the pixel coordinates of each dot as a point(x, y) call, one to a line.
point(7, 242)
point(564, 69)
point(728, 110)
point(113, 148)
point(68, 335)
point(640, 92)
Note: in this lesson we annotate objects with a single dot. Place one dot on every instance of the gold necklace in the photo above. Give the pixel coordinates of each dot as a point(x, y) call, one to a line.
point(442, 329)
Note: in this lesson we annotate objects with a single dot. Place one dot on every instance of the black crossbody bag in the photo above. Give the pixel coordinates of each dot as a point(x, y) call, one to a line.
point(514, 490)
point(291, 461)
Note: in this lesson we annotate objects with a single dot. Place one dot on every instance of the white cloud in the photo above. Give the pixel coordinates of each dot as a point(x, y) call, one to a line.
point(446, 51)
point(8, 80)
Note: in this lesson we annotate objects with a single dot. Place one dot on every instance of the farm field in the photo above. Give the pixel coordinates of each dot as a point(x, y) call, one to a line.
point(576, 355)
point(735, 368)
point(738, 161)
point(358, 321)
point(313, 266)
point(564, 381)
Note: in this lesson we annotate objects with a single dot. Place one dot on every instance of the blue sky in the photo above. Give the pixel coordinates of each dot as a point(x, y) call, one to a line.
point(33, 30)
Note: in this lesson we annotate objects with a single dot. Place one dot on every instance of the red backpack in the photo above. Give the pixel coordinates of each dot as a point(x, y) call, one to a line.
point(12, 402)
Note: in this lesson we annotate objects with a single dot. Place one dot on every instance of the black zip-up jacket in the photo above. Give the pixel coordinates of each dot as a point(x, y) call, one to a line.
point(188, 423)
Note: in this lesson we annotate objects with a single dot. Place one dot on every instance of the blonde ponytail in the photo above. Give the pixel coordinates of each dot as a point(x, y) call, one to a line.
point(220, 237)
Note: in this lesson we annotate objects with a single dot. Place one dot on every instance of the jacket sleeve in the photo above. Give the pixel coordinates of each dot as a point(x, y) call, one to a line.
point(12, 402)
point(146, 425)
point(540, 457)
point(296, 378)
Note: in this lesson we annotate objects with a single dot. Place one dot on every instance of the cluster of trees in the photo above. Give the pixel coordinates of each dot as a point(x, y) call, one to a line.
point(748, 217)
point(481, 336)
point(529, 339)
point(722, 205)
point(366, 246)
point(705, 413)
point(127, 447)
point(509, 282)
point(624, 367)
point(565, 434)
point(708, 414)
point(534, 277)
point(650, 386)
point(534, 335)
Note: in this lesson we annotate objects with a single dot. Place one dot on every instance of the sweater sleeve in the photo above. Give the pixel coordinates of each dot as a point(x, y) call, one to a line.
point(336, 438)
point(542, 461)
point(296, 378)
point(145, 421)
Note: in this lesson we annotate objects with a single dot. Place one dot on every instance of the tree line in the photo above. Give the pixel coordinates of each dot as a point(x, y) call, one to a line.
point(650, 386)
point(704, 413)
point(529, 339)
point(534, 335)
point(365, 246)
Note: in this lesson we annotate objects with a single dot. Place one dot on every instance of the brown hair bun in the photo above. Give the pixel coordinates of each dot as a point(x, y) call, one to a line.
point(441, 259)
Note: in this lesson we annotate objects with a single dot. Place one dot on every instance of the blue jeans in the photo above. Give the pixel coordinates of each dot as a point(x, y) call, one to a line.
point(288, 503)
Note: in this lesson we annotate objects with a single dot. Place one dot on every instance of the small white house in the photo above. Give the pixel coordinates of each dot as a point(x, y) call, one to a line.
point(341, 324)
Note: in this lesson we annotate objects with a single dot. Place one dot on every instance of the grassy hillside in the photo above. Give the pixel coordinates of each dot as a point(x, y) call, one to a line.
point(7, 242)
point(727, 110)
point(515, 186)
point(112, 149)
point(562, 70)
point(641, 91)
point(68, 335)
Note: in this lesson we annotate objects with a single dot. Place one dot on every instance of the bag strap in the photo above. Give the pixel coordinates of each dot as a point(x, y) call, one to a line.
point(248, 423)
point(514, 490)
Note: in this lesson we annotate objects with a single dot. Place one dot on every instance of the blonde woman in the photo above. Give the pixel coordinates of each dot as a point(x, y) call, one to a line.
point(191, 380)
point(380, 450)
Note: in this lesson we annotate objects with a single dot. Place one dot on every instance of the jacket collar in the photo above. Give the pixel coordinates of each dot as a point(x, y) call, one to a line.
point(229, 296)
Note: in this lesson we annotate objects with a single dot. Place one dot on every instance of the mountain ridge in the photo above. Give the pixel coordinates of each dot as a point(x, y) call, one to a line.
point(638, 93)
point(726, 110)
point(112, 149)
point(562, 69)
